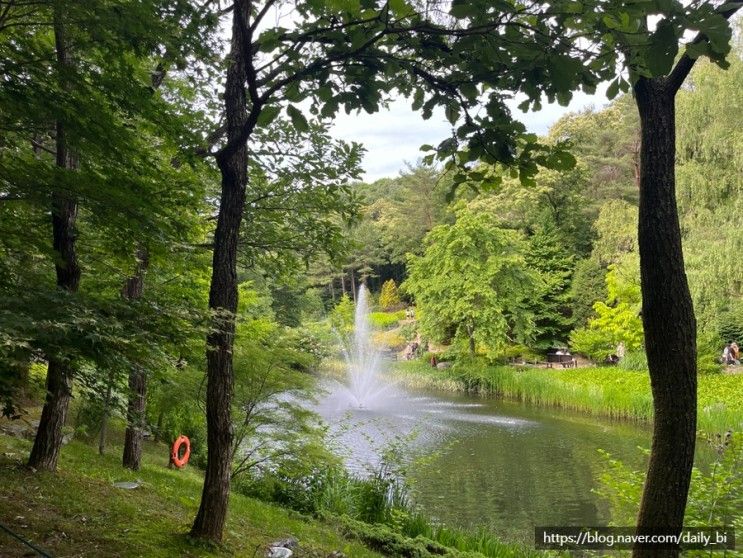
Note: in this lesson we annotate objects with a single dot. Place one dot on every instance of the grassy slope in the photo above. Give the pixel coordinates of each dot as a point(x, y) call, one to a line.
point(78, 512)
point(600, 391)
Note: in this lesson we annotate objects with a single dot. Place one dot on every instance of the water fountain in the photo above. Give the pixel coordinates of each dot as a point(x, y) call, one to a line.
point(363, 360)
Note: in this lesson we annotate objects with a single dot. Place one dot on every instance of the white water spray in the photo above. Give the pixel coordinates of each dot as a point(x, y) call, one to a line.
point(363, 359)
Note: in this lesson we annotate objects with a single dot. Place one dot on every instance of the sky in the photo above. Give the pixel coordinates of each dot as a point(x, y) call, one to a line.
point(393, 137)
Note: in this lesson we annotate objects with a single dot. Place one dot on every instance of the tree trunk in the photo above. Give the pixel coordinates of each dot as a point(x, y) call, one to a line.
point(132, 456)
point(668, 319)
point(105, 415)
point(137, 400)
point(212, 514)
point(159, 426)
point(48, 441)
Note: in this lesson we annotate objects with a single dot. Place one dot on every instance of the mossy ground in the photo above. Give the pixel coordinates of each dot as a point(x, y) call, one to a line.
point(78, 512)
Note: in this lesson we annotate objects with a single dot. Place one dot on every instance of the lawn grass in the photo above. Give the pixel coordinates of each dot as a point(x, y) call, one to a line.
point(78, 512)
point(602, 391)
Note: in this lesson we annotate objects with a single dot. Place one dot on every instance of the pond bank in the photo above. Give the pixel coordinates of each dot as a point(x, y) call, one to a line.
point(607, 392)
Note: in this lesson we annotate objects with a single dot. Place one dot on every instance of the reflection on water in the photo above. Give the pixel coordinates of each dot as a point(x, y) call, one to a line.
point(498, 464)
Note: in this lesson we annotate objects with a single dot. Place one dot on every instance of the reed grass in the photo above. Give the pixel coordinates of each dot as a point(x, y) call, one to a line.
point(600, 391)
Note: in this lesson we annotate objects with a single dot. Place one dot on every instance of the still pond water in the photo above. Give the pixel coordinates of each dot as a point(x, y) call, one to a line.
point(482, 462)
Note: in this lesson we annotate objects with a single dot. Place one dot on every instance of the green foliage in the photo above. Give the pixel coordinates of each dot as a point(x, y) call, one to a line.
point(385, 320)
point(342, 316)
point(606, 142)
point(617, 320)
point(715, 498)
point(588, 286)
point(616, 227)
point(406, 208)
point(142, 522)
point(552, 301)
point(374, 509)
point(472, 282)
point(298, 200)
point(730, 323)
point(608, 392)
point(418, 538)
point(389, 297)
point(635, 361)
point(272, 423)
point(125, 134)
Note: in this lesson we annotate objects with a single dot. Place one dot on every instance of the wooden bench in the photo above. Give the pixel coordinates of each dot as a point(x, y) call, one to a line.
point(567, 361)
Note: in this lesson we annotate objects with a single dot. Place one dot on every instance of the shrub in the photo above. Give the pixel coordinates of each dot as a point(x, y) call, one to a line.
point(391, 339)
point(715, 497)
point(389, 297)
point(384, 320)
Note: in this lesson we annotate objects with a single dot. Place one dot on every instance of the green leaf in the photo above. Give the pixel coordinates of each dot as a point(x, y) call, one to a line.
point(696, 50)
point(660, 54)
point(268, 115)
point(292, 92)
point(613, 89)
point(452, 113)
point(563, 98)
point(325, 93)
point(329, 109)
point(418, 98)
point(399, 7)
point(463, 8)
point(298, 119)
point(610, 22)
point(563, 71)
point(469, 90)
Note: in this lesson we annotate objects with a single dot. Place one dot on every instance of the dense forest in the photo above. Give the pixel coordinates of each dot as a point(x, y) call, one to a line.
point(183, 242)
point(570, 238)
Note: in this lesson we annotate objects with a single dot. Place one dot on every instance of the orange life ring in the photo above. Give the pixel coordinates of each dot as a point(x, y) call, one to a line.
point(175, 457)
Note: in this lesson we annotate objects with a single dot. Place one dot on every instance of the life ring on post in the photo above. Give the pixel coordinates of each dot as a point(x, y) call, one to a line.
point(175, 453)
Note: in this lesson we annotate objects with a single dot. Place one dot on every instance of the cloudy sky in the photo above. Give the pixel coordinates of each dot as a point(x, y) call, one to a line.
point(393, 137)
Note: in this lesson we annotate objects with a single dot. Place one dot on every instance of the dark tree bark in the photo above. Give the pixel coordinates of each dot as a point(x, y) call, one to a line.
point(668, 319)
point(232, 162)
point(667, 310)
point(106, 413)
point(137, 401)
point(132, 455)
point(48, 441)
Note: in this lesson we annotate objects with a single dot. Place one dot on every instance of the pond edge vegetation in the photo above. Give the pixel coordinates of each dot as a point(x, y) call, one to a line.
point(597, 391)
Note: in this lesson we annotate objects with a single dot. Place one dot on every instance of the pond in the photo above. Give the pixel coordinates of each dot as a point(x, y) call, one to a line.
point(482, 462)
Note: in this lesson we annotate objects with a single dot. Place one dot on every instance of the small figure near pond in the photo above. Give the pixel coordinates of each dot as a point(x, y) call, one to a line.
point(411, 351)
point(612, 359)
point(731, 354)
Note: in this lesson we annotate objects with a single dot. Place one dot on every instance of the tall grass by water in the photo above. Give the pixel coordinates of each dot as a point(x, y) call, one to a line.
point(601, 391)
point(377, 510)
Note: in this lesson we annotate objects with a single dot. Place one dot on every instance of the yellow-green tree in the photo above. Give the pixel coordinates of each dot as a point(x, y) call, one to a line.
point(389, 297)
